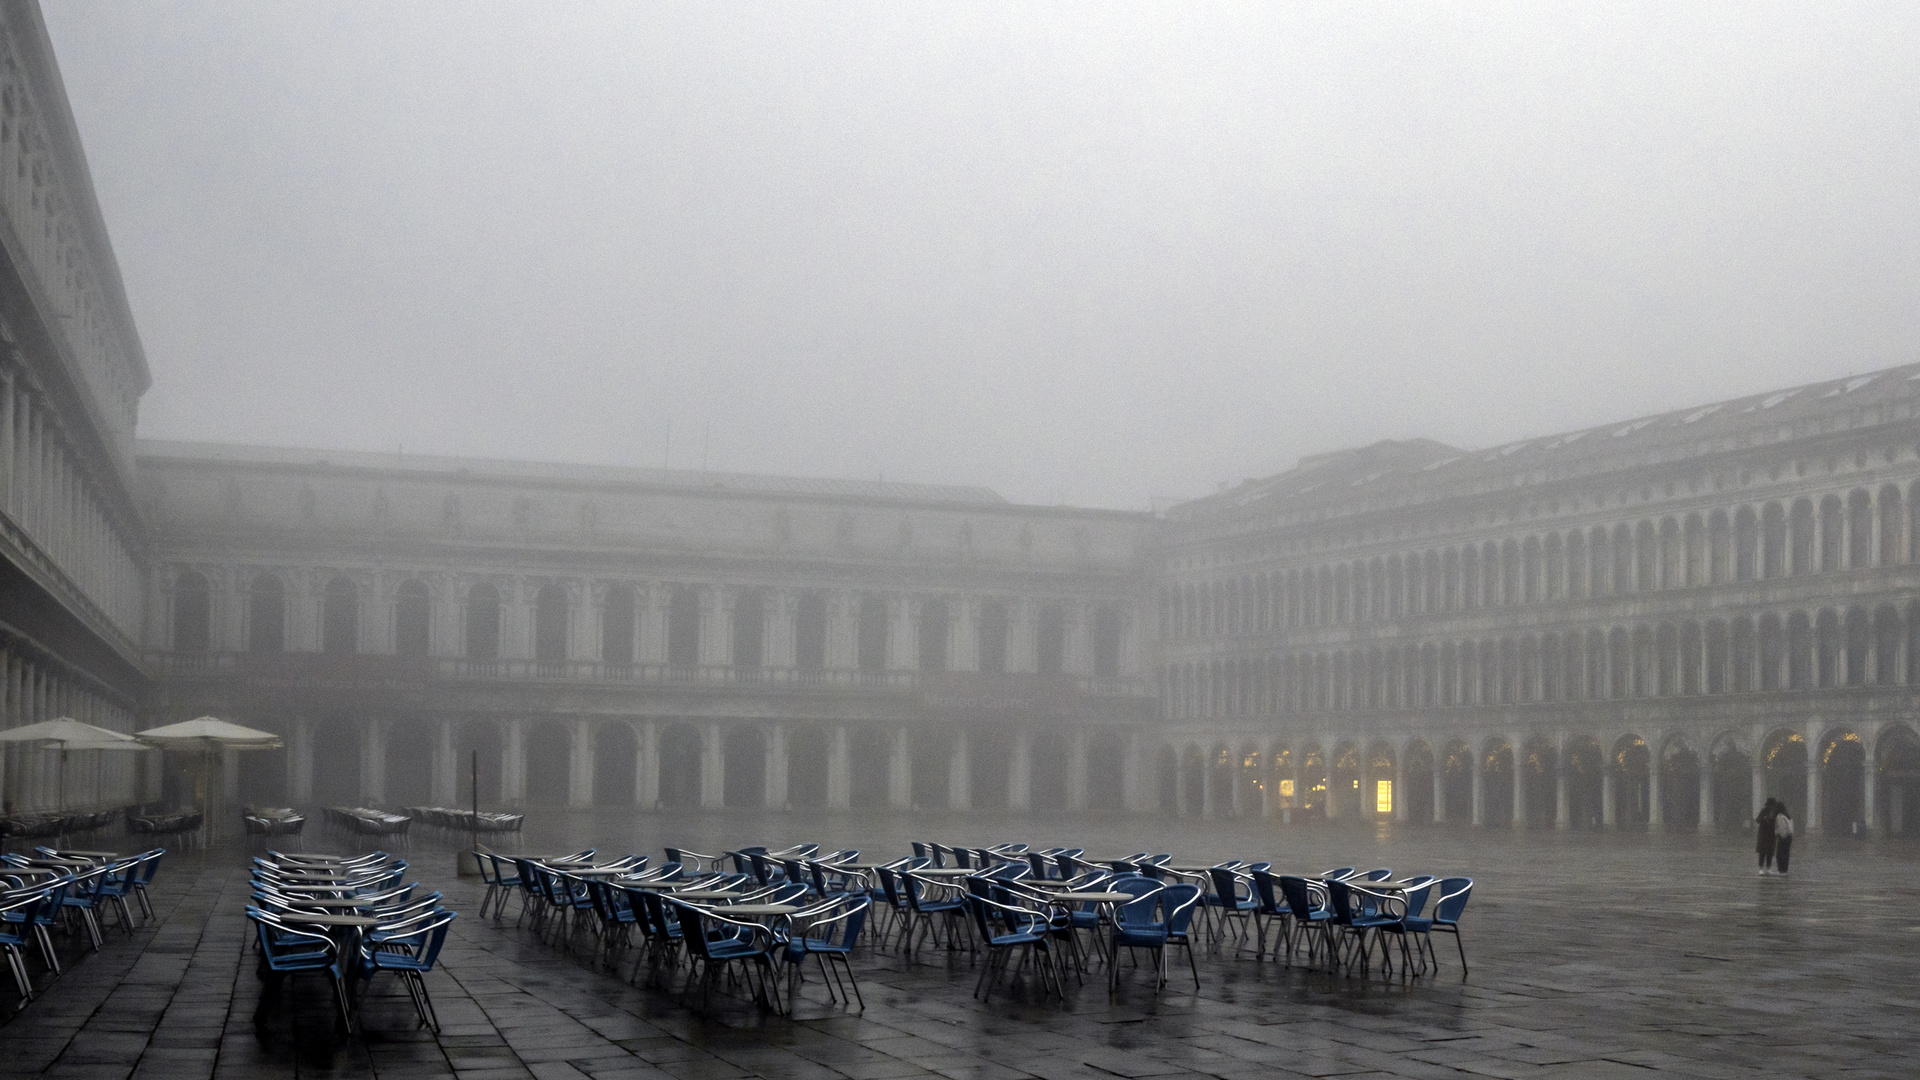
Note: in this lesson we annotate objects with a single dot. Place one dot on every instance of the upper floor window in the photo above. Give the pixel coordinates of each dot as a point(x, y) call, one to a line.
point(810, 634)
point(873, 634)
point(192, 613)
point(340, 618)
point(267, 616)
point(683, 627)
point(483, 622)
point(1051, 641)
point(749, 629)
point(993, 637)
point(1106, 644)
point(933, 635)
point(412, 615)
point(550, 610)
point(616, 626)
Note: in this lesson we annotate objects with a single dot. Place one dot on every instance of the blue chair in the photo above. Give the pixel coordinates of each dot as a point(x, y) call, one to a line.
point(285, 950)
point(1340, 874)
point(1454, 894)
point(18, 922)
point(1381, 874)
point(410, 956)
point(659, 931)
point(927, 914)
point(715, 943)
point(1018, 928)
point(1153, 920)
point(1307, 910)
point(1413, 905)
point(829, 935)
point(84, 895)
point(693, 860)
point(116, 885)
point(502, 886)
point(1360, 917)
point(143, 876)
point(1271, 910)
point(1232, 899)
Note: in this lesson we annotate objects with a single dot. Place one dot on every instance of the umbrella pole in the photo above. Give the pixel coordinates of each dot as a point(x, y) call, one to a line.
point(60, 795)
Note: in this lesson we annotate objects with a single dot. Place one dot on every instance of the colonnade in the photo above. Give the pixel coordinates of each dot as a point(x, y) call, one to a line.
point(34, 688)
point(1830, 771)
point(595, 761)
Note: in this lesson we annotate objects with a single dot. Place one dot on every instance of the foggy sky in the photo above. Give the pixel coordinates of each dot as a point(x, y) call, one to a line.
point(1076, 253)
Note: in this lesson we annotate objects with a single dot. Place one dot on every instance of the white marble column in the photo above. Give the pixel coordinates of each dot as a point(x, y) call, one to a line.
point(1077, 772)
point(713, 767)
point(960, 774)
point(513, 764)
point(839, 770)
point(646, 767)
point(580, 763)
point(900, 770)
point(1020, 774)
point(445, 787)
point(775, 772)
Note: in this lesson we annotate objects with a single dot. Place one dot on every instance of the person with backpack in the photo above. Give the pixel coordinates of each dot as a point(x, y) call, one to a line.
point(1782, 838)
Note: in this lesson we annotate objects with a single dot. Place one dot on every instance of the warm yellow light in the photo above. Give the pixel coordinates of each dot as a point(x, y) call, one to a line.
point(1286, 789)
point(1383, 797)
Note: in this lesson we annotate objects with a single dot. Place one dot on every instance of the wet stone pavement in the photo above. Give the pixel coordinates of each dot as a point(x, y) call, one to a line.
point(1592, 956)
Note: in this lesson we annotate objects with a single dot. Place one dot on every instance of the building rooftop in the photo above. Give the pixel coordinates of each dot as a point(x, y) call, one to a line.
point(494, 468)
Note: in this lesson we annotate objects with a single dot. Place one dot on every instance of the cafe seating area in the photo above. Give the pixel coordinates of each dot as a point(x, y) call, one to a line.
point(346, 919)
point(751, 921)
point(76, 895)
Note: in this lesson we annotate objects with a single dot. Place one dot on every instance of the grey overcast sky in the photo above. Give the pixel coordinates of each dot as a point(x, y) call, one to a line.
point(1090, 253)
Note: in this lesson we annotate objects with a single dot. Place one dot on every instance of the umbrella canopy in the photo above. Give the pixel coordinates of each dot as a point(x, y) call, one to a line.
point(207, 731)
point(69, 734)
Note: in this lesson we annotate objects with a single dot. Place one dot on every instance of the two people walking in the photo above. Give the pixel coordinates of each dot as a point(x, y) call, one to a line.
point(1774, 839)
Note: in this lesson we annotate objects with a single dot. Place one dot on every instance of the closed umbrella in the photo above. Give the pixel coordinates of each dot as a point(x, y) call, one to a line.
point(207, 734)
point(64, 734)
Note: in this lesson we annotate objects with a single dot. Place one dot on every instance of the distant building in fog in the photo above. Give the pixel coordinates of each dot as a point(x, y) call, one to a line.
point(1647, 622)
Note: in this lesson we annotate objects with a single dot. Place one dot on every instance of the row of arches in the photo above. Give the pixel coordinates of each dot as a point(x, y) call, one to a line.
point(1814, 534)
point(1791, 650)
point(686, 613)
point(1838, 781)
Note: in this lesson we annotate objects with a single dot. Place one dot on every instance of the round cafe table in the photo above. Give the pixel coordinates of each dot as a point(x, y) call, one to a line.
point(1104, 903)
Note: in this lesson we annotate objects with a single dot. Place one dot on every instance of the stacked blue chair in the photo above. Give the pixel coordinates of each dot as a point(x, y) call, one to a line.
point(829, 934)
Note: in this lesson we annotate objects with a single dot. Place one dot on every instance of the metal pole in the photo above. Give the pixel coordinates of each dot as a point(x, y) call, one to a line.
point(475, 822)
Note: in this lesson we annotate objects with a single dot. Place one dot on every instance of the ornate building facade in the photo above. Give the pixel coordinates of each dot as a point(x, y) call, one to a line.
point(1647, 624)
point(73, 564)
point(618, 637)
point(1651, 623)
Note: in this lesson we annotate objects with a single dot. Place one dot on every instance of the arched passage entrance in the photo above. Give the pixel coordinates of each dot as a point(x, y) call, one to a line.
point(410, 762)
point(1106, 773)
point(615, 754)
point(745, 785)
point(1843, 777)
point(807, 768)
point(549, 747)
point(680, 767)
point(1585, 760)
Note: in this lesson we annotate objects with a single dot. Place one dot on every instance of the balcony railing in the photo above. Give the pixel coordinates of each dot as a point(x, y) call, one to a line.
point(944, 686)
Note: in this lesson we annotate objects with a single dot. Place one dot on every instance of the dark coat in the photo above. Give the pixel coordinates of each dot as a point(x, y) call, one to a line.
point(1763, 839)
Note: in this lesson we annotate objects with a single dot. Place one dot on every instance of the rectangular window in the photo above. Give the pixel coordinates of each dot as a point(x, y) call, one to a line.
point(1383, 797)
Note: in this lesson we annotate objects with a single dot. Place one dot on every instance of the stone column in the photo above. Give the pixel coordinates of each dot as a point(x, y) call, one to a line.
point(713, 767)
point(900, 771)
point(445, 786)
point(1210, 799)
point(960, 774)
point(1706, 793)
point(1609, 803)
point(1811, 816)
point(839, 770)
point(580, 763)
point(775, 773)
point(1479, 788)
point(373, 762)
point(1020, 774)
point(1868, 779)
point(1180, 787)
point(1562, 801)
point(1400, 785)
point(1077, 772)
point(300, 762)
point(1759, 782)
point(1439, 788)
point(1519, 782)
point(513, 764)
point(1656, 808)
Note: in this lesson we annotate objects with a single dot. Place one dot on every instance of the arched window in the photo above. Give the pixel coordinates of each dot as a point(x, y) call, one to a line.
point(550, 609)
point(1106, 644)
point(192, 613)
point(933, 635)
point(810, 634)
point(412, 615)
point(267, 616)
point(683, 627)
point(993, 637)
point(873, 634)
point(616, 625)
point(340, 618)
point(749, 629)
point(483, 622)
point(1051, 641)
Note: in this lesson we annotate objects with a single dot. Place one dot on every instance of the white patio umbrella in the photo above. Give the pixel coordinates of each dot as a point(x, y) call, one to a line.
point(64, 734)
point(208, 734)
